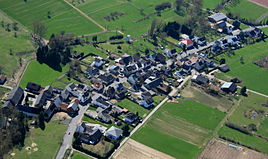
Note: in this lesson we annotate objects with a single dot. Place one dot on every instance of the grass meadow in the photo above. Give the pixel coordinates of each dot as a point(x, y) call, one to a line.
point(63, 17)
point(11, 45)
point(253, 76)
point(255, 142)
point(41, 74)
point(179, 129)
point(243, 7)
point(47, 142)
point(211, 4)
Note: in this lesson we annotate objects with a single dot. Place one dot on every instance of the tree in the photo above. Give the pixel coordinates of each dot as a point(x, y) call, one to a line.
point(244, 91)
point(242, 60)
point(41, 120)
point(39, 28)
point(125, 130)
point(49, 14)
point(15, 26)
point(222, 61)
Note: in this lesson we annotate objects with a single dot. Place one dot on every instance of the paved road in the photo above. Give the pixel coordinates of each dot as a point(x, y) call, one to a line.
point(68, 138)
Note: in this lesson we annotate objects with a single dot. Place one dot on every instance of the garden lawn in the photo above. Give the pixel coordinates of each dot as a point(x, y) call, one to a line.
point(252, 102)
point(77, 155)
point(47, 142)
point(252, 141)
point(63, 16)
point(196, 113)
point(243, 7)
point(211, 4)
point(133, 107)
point(86, 49)
point(253, 76)
point(41, 74)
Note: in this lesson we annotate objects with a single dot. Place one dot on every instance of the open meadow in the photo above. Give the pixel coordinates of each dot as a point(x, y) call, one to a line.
point(252, 141)
point(41, 143)
point(179, 129)
point(211, 4)
point(241, 8)
point(41, 74)
point(13, 44)
point(57, 15)
point(252, 76)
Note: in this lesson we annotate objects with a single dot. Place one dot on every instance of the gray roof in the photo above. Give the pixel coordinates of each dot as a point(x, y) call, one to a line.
point(15, 95)
point(41, 100)
point(114, 131)
point(218, 16)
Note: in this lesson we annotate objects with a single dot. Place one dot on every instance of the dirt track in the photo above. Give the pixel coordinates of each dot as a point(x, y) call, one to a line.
point(135, 150)
point(220, 150)
point(263, 3)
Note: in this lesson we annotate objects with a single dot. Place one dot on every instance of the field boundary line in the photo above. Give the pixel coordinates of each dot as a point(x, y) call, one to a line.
point(86, 16)
point(119, 3)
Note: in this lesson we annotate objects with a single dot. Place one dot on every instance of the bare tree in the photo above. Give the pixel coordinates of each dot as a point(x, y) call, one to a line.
point(39, 28)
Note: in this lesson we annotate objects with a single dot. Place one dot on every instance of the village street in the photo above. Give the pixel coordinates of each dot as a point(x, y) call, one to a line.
point(68, 137)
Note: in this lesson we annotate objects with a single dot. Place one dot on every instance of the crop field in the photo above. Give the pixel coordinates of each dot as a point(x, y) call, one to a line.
point(251, 103)
point(10, 45)
point(255, 142)
point(63, 17)
point(221, 103)
point(42, 142)
point(179, 129)
point(252, 76)
point(211, 4)
point(41, 74)
point(132, 11)
point(243, 7)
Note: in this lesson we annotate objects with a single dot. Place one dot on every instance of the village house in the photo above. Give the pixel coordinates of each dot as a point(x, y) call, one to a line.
point(33, 88)
point(15, 96)
point(186, 44)
point(114, 133)
point(101, 102)
point(147, 100)
point(90, 133)
point(131, 118)
point(200, 79)
point(229, 87)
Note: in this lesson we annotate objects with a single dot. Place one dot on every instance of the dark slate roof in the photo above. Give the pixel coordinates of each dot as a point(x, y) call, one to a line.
point(103, 101)
point(131, 116)
point(107, 78)
point(28, 109)
point(202, 79)
point(41, 99)
point(126, 60)
point(33, 87)
point(154, 83)
point(16, 95)
point(104, 117)
point(224, 68)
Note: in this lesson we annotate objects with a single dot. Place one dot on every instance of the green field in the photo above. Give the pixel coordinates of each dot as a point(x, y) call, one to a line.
point(211, 4)
point(10, 46)
point(63, 17)
point(89, 49)
point(47, 142)
point(196, 113)
point(221, 103)
point(133, 11)
point(253, 76)
point(133, 107)
point(41, 74)
point(179, 129)
point(77, 155)
point(243, 7)
point(252, 102)
point(166, 143)
point(263, 128)
point(255, 142)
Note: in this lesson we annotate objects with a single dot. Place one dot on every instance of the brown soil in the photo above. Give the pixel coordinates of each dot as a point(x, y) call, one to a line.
point(220, 150)
point(263, 3)
point(135, 150)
